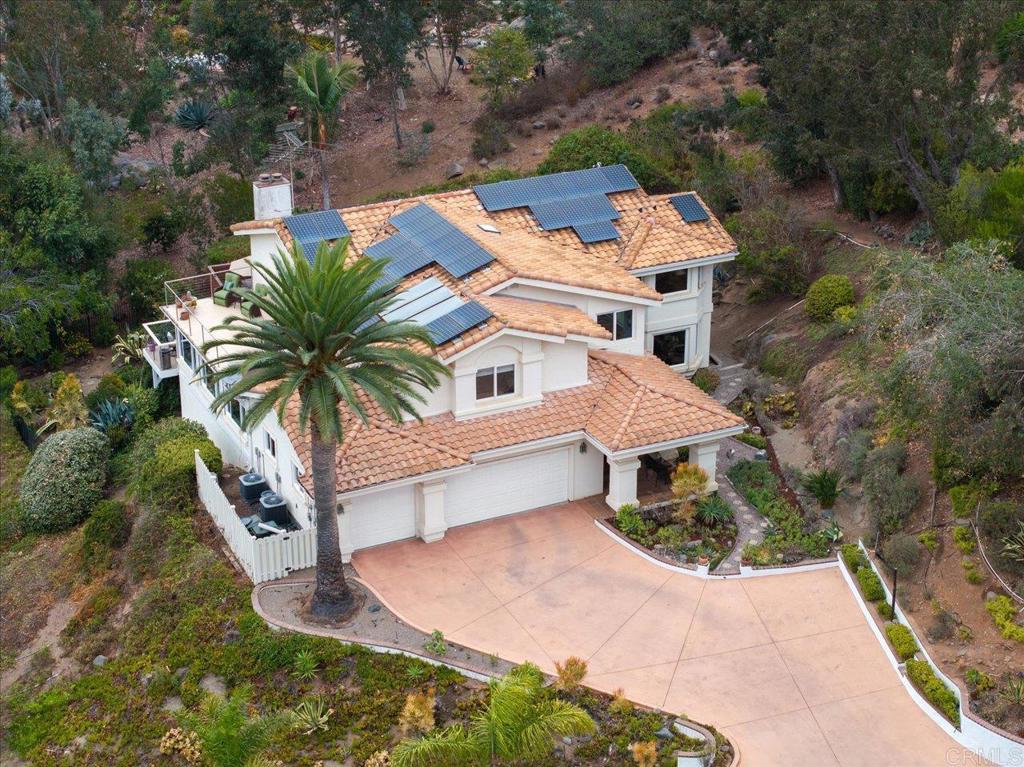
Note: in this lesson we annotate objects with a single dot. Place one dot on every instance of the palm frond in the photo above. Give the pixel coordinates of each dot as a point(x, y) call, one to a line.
point(449, 746)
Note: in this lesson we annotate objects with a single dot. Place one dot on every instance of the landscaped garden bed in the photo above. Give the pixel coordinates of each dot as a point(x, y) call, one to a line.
point(703, 532)
point(790, 537)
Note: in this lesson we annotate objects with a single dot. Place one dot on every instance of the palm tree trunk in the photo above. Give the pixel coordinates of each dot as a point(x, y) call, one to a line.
point(332, 599)
point(325, 181)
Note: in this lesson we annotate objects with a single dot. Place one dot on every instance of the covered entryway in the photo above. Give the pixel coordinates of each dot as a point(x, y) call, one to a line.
point(508, 486)
point(381, 517)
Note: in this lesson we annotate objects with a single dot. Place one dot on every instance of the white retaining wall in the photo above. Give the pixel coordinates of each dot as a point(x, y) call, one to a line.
point(263, 559)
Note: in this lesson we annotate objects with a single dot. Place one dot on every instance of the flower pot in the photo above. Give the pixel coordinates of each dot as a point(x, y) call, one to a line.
point(703, 559)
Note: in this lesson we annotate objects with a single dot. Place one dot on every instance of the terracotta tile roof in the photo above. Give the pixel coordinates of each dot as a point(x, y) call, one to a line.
point(542, 317)
point(630, 402)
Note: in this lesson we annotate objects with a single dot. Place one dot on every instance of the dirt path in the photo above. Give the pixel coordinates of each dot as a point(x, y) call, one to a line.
point(49, 636)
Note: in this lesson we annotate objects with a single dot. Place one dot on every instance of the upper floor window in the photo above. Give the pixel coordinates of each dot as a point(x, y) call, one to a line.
point(271, 444)
point(236, 410)
point(496, 381)
point(188, 353)
point(619, 324)
point(676, 281)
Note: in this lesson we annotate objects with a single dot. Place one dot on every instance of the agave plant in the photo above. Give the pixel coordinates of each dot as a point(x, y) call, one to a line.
point(713, 510)
point(194, 115)
point(112, 413)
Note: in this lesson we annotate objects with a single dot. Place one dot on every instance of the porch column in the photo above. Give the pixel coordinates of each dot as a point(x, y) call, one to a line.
point(621, 481)
point(430, 519)
point(344, 533)
point(705, 455)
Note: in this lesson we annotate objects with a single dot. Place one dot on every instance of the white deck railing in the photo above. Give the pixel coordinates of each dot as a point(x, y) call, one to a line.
point(263, 559)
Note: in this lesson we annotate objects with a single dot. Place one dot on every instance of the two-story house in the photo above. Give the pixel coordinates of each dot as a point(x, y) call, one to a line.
point(569, 308)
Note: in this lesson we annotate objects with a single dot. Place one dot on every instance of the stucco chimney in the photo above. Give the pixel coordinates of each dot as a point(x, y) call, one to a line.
point(271, 196)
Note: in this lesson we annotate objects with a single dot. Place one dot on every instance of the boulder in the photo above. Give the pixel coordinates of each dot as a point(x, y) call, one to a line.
point(454, 170)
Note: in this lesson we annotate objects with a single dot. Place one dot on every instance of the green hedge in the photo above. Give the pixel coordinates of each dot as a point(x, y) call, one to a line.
point(827, 294)
point(1004, 613)
point(64, 480)
point(163, 462)
point(870, 585)
point(854, 557)
point(923, 676)
point(902, 640)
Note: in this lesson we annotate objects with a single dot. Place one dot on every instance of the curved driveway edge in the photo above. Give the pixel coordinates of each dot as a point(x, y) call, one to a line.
point(785, 665)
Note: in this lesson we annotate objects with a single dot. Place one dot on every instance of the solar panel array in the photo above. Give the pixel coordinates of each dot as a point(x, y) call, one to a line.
point(576, 199)
point(455, 323)
point(424, 237)
point(689, 207)
point(310, 229)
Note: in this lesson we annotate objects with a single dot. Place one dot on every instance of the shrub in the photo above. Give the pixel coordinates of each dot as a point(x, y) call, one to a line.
point(1004, 613)
point(929, 539)
point(978, 681)
point(884, 610)
point(965, 500)
point(890, 495)
point(570, 673)
point(902, 553)
point(106, 529)
point(853, 557)
point(870, 585)
point(784, 360)
point(629, 521)
point(142, 285)
point(227, 249)
point(823, 485)
point(713, 510)
point(231, 200)
point(503, 64)
point(963, 537)
point(923, 676)
point(491, 137)
point(902, 640)
point(417, 713)
point(706, 380)
point(436, 643)
point(827, 294)
point(971, 572)
point(672, 536)
point(111, 386)
point(163, 462)
point(754, 440)
point(770, 253)
point(999, 521)
point(586, 147)
point(64, 480)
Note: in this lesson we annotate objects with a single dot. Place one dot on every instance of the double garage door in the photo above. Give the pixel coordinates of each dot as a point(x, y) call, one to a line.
point(490, 490)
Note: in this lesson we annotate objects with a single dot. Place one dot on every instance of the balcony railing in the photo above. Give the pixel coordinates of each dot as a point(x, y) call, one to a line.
point(189, 300)
point(161, 349)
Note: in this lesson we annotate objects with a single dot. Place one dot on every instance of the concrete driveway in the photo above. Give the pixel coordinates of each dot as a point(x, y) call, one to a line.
point(785, 665)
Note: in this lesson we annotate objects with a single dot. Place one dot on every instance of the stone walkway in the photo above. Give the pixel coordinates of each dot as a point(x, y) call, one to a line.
point(749, 522)
point(733, 379)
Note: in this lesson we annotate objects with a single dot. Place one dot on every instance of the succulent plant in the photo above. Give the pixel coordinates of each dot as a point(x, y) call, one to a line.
point(194, 115)
point(111, 413)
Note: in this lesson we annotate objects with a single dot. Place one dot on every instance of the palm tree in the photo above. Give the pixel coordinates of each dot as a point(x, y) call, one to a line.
point(228, 735)
point(321, 86)
point(319, 340)
point(518, 724)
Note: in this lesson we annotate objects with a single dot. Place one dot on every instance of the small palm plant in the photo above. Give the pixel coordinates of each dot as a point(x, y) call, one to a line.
point(823, 485)
point(228, 734)
point(519, 723)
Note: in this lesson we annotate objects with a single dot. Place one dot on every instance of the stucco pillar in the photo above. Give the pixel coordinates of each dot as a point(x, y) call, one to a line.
point(345, 534)
point(430, 519)
point(705, 455)
point(621, 481)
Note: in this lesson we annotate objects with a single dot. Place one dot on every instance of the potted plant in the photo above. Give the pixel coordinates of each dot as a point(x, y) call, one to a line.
point(703, 559)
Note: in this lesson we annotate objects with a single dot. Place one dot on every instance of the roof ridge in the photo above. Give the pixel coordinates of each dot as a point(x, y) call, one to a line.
point(667, 395)
point(636, 241)
point(638, 396)
point(440, 447)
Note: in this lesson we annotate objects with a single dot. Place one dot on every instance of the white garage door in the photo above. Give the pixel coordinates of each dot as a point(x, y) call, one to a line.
point(386, 516)
point(505, 487)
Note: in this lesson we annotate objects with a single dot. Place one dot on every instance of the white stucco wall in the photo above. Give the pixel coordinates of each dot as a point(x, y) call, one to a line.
point(588, 472)
point(565, 365)
point(591, 306)
point(689, 311)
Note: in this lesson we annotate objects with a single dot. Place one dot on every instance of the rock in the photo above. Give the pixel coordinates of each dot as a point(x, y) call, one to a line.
point(214, 684)
point(146, 679)
point(539, 125)
point(99, 661)
point(232, 635)
point(990, 595)
point(331, 763)
point(173, 704)
point(374, 608)
point(180, 673)
point(454, 170)
point(537, 153)
point(484, 162)
point(567, 740)
point(79, 742)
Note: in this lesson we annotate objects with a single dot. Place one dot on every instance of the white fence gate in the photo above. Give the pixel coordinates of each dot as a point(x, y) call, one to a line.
point(263, 559)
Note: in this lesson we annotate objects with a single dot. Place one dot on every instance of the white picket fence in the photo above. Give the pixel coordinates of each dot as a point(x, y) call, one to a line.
point(263, 559)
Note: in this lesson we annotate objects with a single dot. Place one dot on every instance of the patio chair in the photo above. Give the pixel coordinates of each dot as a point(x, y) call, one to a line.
point(227, 295)
point(249, 309)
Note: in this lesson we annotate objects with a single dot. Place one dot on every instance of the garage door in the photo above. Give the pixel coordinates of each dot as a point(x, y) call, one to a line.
point(382, 517)
point(505, 487)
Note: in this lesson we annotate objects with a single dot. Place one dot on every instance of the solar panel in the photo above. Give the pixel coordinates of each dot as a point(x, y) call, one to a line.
point(559, 214)
point(423, 303)
point(457, 322)
point(523, 192)
point(597, 231)
point(424, 237)
point(310, 229)
point(689, 207)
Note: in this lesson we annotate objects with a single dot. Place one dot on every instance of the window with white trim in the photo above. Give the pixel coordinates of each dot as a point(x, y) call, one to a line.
point(271, 444)
point(236, 411)
point(618, 323)
point(188, 353)
point(497, 381)
point(670, 347)
point(296, 474)
point(676, 281)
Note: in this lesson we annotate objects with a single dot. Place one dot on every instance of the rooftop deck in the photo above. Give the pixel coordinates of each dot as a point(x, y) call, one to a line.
point(190, 306)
